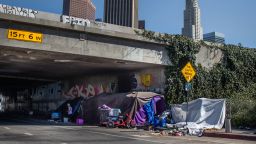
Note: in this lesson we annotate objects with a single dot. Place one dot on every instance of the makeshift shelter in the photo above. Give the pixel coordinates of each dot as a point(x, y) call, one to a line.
point(202, 113)
point(129, 103)
point(76, 108)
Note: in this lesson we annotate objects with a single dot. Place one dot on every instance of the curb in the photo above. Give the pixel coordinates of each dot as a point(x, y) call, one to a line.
point(231, 136)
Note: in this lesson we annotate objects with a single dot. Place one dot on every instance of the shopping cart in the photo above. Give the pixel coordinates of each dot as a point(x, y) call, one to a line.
point(104, 116)
point(109, 117)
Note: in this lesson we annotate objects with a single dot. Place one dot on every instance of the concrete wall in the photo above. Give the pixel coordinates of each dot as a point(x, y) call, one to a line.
point(6, 103)
point(34, 14)
point(90, 86)
point(151, 80)
point(208, 57)
point(49, 97)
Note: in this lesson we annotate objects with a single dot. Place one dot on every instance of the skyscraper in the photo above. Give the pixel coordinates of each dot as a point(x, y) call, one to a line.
point(79, 8)
point(192, 21)
point(215, 37)
point(121, 12)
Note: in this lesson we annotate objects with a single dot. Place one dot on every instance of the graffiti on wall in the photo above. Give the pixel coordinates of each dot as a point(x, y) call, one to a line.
point(2, 103)
point(51, 91)
point(75, 21)
point(56, 91)
point(18, 11)
point(87, 90)
point(146, 80)
point(47, 97)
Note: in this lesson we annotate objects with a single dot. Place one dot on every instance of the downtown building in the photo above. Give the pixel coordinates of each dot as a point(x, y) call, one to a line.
point(215, 37)
point(79, 8)
point(192, 21)
point(121, 12)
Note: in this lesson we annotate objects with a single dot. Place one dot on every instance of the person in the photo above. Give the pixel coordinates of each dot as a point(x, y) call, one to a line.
point(69, 111)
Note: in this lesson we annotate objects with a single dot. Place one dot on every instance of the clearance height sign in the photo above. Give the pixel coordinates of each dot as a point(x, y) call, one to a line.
point(25, 36)
point(188, 72)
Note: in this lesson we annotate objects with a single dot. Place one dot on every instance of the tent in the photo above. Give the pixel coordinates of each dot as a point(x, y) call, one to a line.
point(202, 113)
point(129, 103)
point(75, 104)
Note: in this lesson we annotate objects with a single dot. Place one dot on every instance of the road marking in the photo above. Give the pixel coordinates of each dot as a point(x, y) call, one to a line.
point(203, 140)
point(152, 141)
point(69, 128)
point(63, 143)
point(134, 137)
point(142, 136)
point(90, 126)
point(29, 134)
point(7, 128)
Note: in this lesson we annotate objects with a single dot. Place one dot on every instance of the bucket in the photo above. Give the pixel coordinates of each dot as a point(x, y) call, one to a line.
point(55, 115)
point(79, 121)
point(228, 128)
point(65, 120)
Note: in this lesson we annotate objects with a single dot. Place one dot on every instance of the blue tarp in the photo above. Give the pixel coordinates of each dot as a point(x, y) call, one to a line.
point(149, 110)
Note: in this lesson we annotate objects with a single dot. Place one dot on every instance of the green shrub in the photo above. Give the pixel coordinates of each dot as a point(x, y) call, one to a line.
point(243, 108)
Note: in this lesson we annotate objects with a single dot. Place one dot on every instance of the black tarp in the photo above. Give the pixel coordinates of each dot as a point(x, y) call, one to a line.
point(129, 103)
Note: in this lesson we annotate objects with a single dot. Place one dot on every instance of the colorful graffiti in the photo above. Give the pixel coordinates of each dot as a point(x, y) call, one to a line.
point(146, 80)
point(88, 90)
point(18, 11)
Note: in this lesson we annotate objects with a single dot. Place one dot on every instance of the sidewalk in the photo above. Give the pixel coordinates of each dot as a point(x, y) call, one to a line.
point(236, 134)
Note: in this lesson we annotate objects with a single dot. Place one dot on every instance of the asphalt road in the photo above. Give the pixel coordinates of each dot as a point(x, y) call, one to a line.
point(13, 131)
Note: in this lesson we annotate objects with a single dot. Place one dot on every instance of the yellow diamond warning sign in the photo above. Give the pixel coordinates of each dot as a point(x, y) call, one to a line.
point(188, 72)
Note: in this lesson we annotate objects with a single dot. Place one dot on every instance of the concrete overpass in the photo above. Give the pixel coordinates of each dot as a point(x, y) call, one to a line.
point(89, 58)
point(70, 50)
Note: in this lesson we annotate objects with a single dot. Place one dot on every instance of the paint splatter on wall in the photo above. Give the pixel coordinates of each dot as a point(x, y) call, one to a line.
point(146, 79)
point(150, 80)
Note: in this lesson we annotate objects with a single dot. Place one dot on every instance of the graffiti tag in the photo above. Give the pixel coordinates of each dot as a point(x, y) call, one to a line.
point(75, 21)
point(18, 11)
point(47, 91)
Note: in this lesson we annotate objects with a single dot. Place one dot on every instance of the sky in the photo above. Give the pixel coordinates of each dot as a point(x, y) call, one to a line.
point(234, 18)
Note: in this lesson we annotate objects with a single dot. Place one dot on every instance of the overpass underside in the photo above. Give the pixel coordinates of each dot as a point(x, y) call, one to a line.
point(26, 76)
point(52, 66)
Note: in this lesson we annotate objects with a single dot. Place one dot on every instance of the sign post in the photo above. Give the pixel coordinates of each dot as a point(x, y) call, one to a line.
point(189, 73)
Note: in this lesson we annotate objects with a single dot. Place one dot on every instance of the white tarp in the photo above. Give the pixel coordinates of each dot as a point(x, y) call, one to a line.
point(202, 113)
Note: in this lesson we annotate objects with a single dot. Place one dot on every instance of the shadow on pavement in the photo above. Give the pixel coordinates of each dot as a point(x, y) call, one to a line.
point(21, 119)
